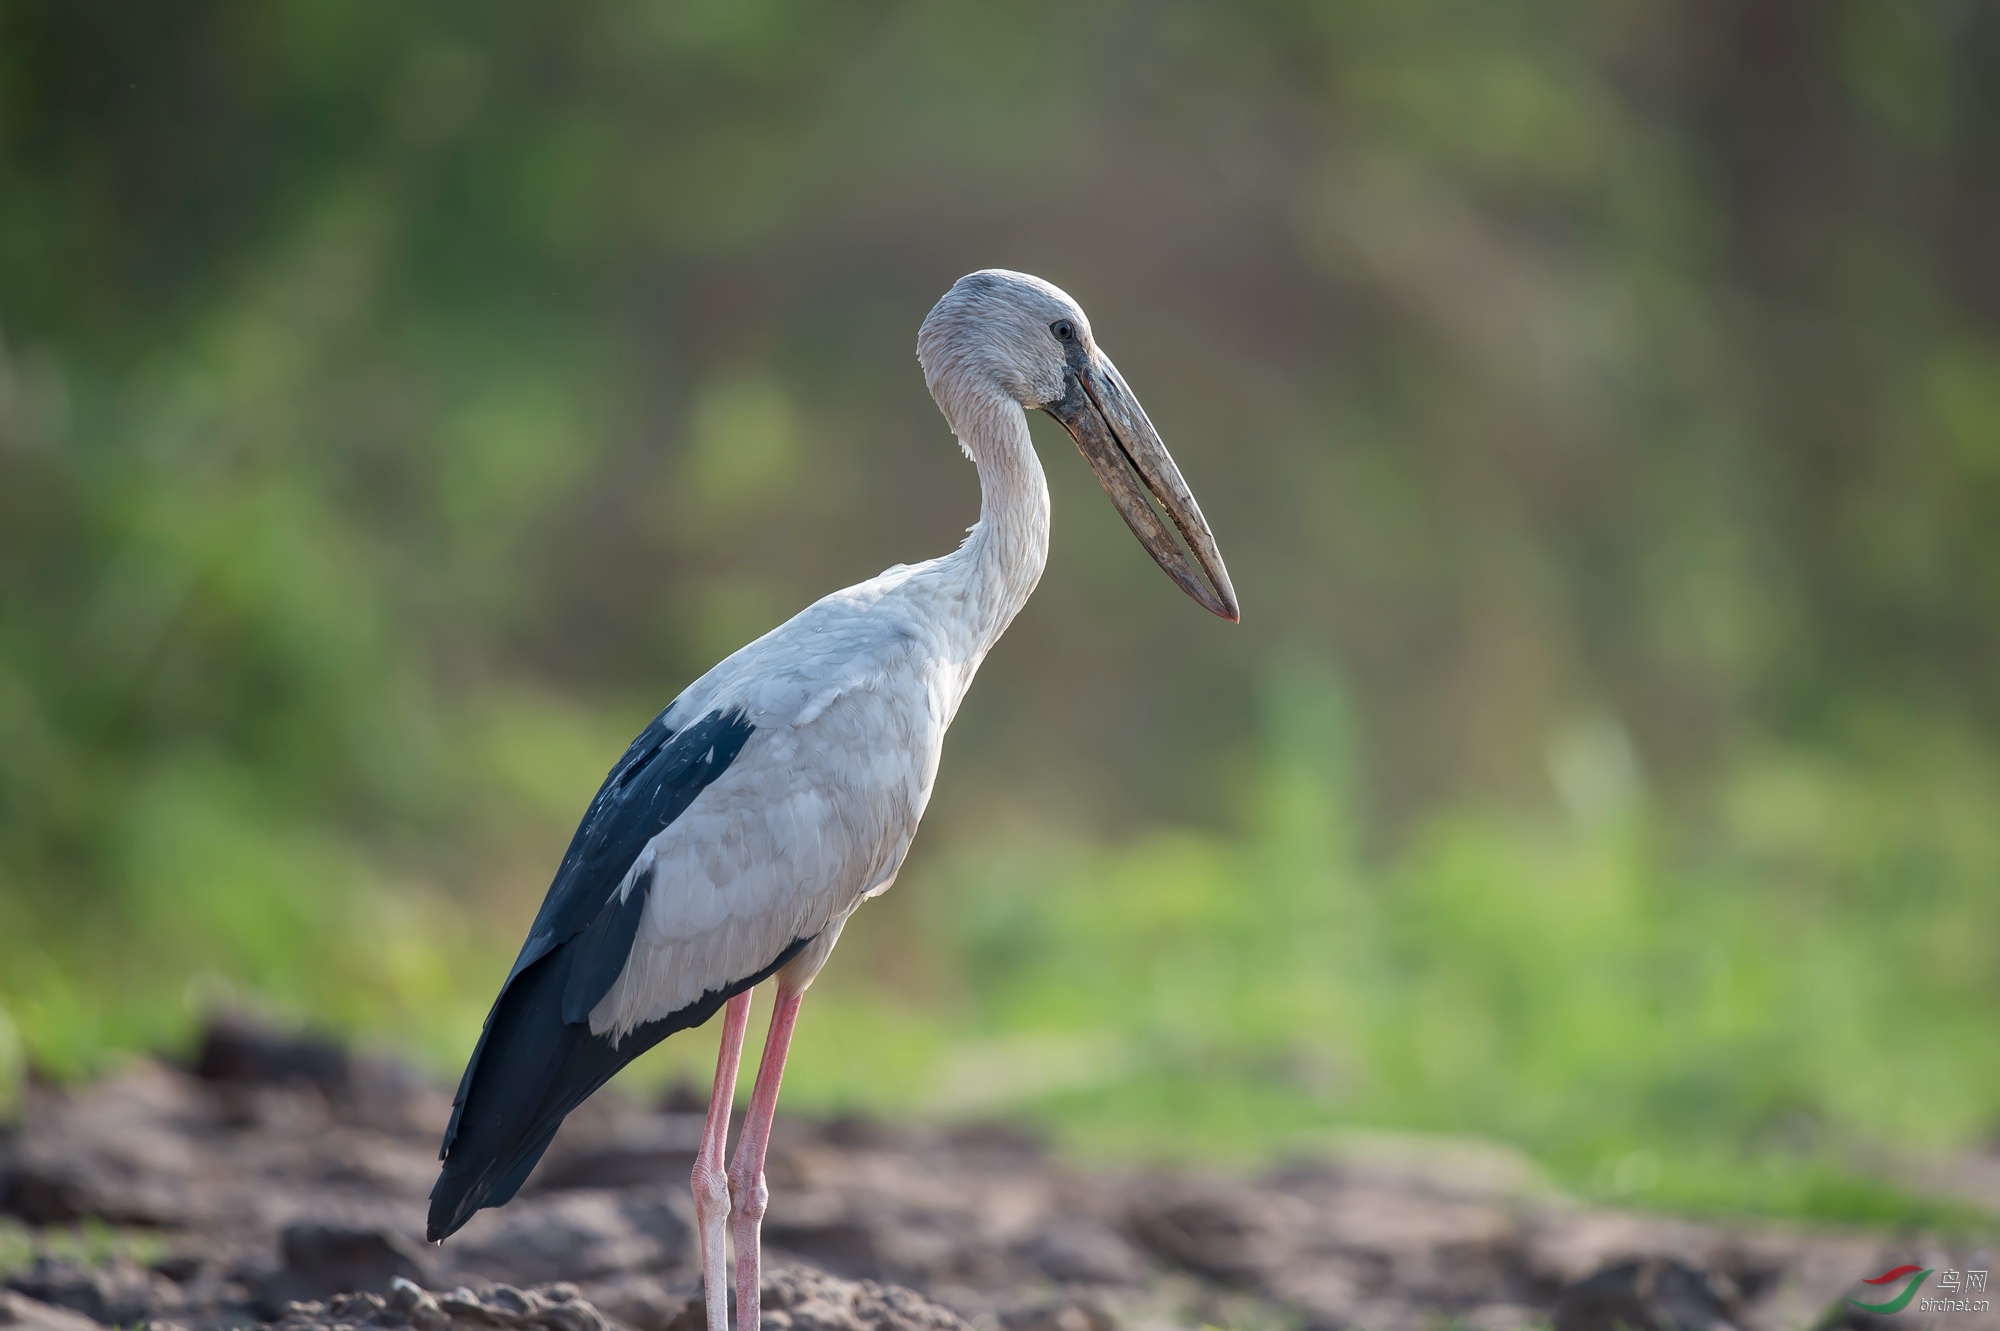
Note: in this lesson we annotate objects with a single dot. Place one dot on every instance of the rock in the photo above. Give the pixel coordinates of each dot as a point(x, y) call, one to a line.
point(241, 1057)
point(565, 1236)
point(392, 1097)
point(657, 1150)
point(371, 1163)
point(556, 1307)
point(1226, 1234)
point(179, 1267)
point(61, 1194)
point(322, 1259)
point(242, 1051)
point(18, 1312)
point(1652, 1294)
point(346, 1310)
point(847, 1244)
point(666, 1217)
point(1082, 1250)
point(416, 1306)
point(119, 1152)
point(875, 1238)
point(53, 1192)
point(118, 1292)
point(801, 1299)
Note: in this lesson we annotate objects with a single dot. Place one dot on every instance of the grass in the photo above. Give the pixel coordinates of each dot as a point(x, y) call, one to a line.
point(1776, 1005)
point(89, 1243)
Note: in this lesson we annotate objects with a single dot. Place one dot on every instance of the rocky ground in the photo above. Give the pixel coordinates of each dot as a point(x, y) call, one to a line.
point(283, 1180)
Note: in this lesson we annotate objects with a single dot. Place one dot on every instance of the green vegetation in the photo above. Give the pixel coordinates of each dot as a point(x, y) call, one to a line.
point(91, 1242)
point(1781, 1012)
point(1599, 405)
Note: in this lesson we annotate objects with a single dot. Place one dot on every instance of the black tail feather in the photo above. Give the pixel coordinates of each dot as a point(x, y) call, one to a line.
point(531, 1069)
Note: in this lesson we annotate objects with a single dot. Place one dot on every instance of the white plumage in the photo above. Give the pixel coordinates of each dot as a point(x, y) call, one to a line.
point(850, 701)
point(783, 787)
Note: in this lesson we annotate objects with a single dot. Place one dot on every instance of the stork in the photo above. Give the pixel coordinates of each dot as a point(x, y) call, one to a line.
point(745, 824)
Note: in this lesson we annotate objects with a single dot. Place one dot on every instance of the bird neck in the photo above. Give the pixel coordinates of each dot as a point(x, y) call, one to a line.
point(1005, 551)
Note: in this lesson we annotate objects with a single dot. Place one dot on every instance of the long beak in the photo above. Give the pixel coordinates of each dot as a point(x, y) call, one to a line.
point(1123, 448)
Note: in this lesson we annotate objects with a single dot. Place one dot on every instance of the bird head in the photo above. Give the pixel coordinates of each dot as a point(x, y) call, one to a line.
point(1005, 337)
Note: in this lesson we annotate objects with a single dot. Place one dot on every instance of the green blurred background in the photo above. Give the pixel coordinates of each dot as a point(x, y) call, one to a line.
point(1599, 405)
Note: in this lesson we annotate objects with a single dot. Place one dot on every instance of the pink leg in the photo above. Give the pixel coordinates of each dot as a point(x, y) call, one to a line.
point(746, 1174)
point(711, 1184)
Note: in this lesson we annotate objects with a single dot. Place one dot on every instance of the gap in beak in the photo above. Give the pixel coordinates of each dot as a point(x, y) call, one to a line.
point(1161, 513)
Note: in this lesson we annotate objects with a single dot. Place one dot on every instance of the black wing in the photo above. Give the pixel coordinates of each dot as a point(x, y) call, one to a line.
point(536, 1058)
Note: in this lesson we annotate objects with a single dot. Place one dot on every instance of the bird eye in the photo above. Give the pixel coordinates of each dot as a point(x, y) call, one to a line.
point(1064, 330)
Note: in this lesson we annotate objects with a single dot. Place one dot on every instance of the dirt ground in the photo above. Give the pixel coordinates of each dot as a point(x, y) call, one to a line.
point(283, 1180)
